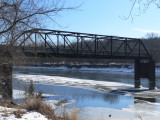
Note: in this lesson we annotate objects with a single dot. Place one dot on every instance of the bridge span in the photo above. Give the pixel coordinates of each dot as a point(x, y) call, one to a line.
point(44, 42)
point(82, 45)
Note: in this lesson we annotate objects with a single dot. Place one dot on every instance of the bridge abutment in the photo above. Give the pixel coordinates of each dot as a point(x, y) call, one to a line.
point(144, 69)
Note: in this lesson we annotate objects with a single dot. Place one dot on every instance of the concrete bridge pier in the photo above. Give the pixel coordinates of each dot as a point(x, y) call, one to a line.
point(137, 81)
point(144, 69)
point(152, 79)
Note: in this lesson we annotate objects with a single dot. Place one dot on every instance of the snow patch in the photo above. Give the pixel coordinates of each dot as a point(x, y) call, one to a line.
point(51, 80)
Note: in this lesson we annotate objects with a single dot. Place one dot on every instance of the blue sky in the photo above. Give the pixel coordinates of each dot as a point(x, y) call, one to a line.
point(105, 17)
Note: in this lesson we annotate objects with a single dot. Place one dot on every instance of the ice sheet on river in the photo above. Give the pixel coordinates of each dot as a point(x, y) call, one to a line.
point(140, 111)
point(57, 80)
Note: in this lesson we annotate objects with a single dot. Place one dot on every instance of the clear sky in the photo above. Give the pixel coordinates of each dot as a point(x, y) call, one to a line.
point(105, 17)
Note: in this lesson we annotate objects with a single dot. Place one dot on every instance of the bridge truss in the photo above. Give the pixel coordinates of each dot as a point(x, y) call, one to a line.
point(41, 42)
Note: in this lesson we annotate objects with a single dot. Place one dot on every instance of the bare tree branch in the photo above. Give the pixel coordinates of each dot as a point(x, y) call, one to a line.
point(130, 13)
point(21, 15)
point(143, 6)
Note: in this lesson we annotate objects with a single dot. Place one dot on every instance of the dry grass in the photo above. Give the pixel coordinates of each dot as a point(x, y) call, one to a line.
point(18, 113)
point(5, 113)
point(9, 104)
point(72, 115)
point(34, 102)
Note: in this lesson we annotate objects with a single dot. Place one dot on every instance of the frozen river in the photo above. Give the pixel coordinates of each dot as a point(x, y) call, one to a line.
point(110, 90)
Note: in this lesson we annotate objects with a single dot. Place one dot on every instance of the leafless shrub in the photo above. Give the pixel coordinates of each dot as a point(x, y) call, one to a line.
point(36, 104)
point(73, 115)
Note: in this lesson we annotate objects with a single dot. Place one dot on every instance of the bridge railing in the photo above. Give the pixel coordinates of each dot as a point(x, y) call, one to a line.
point(103, 53)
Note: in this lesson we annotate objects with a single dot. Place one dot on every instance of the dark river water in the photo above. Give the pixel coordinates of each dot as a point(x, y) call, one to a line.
point(83, 97)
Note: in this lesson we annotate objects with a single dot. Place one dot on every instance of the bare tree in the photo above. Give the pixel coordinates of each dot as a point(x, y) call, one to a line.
point(152, 36)
point(19, 15)
point(140, 6)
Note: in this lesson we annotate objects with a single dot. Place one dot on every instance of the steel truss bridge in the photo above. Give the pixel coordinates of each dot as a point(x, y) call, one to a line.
point(42, 42)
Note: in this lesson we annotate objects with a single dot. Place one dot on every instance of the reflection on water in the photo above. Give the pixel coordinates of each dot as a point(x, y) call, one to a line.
point(83, 97)
point(88, 98)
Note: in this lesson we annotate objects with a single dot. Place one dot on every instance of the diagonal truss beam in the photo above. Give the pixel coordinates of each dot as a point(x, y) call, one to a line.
point(88, 45)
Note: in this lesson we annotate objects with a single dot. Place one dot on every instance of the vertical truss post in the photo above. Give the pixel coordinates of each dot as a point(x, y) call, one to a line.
point(95, 49)
point(139, 51)
point(77, 44)
point(24, 39)
point(64, 45)
point(97, 43)
point(81, 43)
point(111, 46)
point(45, 44)
point(57, 43)
point(35, 44)
point(125, 47)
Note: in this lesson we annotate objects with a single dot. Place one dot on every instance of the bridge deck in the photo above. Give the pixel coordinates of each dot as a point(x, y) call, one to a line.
point(42, 52)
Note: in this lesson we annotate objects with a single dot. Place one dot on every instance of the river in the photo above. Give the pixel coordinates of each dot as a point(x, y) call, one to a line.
point(88, 88)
